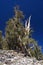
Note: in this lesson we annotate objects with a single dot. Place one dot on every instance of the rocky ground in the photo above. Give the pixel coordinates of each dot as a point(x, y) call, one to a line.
point(10, 57)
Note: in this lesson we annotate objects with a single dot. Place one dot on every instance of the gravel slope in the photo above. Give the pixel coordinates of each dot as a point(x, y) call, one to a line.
point(10, 57)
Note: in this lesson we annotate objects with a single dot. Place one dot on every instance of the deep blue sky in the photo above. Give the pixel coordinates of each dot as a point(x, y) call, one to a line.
point(29, 7)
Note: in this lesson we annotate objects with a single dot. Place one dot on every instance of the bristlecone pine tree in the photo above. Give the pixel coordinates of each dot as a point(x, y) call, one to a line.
point(16, 39)
point(1, 39)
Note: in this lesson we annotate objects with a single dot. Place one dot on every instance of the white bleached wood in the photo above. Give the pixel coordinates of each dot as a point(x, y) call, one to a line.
point(27, 25)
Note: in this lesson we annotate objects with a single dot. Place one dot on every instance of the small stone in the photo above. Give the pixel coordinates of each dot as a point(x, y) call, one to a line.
point(4, 64)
